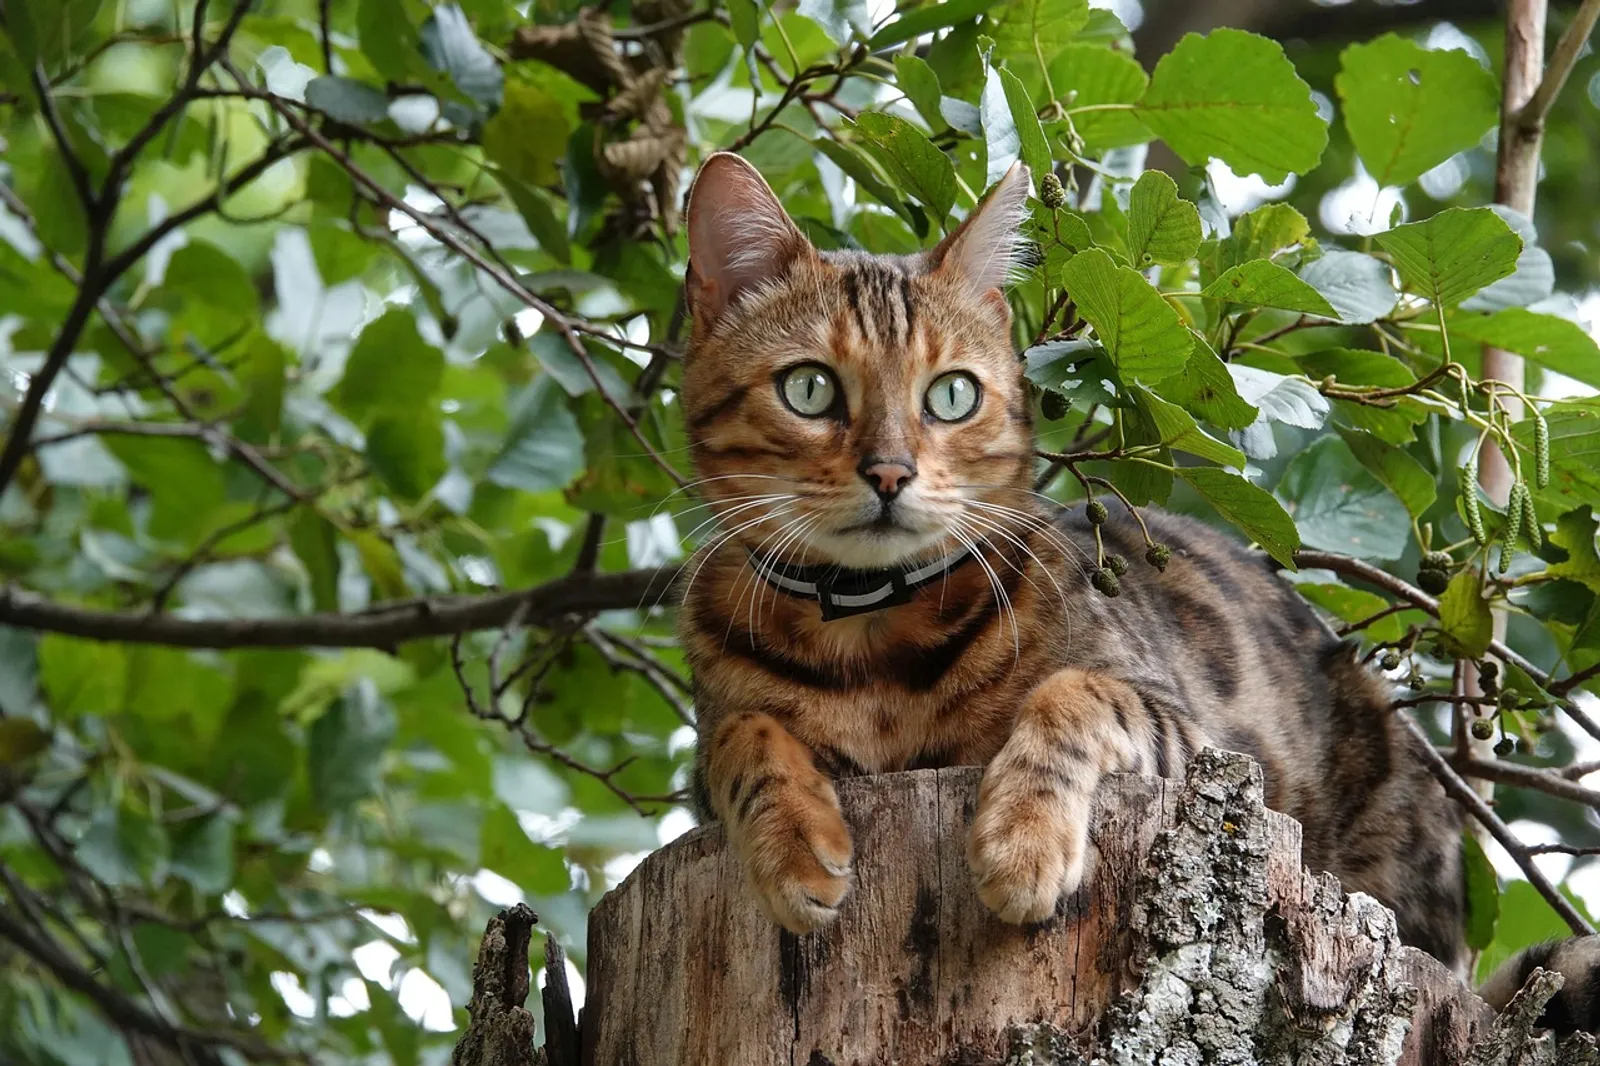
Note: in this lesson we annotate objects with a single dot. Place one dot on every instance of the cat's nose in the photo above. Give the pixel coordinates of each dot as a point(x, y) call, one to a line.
point(887, 476)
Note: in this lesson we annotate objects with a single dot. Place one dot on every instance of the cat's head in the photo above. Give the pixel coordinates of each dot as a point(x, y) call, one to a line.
point(848, 408)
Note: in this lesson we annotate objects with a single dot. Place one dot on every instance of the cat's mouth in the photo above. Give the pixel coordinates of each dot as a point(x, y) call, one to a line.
point(885, 522)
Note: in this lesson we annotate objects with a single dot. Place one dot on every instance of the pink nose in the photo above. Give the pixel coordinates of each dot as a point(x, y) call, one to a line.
point(888, 476)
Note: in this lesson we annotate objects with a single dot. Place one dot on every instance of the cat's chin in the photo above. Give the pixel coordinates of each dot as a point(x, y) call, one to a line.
point(879, 548)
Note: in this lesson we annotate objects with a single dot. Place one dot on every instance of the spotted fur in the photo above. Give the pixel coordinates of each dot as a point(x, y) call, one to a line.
point(1011, 662)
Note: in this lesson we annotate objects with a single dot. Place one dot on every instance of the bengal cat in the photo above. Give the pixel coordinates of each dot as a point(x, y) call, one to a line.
point(887, 592)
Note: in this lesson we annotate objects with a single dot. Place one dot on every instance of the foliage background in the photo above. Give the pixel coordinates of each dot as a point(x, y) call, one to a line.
point(327, 323)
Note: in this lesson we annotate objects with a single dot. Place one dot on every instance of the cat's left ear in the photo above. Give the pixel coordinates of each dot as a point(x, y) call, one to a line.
point(983, 251)
point(740, 237)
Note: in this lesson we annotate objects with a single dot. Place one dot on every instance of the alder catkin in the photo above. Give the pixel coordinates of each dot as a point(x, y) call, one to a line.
point(1508, 545)
point(1469, 500)
point(1541, 450)
point(1530, 522)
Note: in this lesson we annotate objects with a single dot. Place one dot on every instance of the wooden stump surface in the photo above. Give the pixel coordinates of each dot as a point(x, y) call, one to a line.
point(685, 971)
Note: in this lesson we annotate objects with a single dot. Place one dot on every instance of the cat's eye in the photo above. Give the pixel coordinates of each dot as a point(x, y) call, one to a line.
point(808, 390)
point(953, 396)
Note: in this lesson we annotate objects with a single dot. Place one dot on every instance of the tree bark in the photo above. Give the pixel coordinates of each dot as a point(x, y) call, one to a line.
point(1200, 939)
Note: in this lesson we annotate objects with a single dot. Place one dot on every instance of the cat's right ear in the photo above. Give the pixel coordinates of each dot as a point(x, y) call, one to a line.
point(740, 237)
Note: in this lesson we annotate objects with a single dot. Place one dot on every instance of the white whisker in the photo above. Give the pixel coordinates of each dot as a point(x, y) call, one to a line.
point(958, 530)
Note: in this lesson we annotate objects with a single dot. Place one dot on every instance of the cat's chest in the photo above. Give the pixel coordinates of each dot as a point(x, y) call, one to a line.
point(879, 729)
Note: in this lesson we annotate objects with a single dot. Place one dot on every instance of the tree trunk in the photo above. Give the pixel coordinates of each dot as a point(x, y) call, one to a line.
point(1201, 939)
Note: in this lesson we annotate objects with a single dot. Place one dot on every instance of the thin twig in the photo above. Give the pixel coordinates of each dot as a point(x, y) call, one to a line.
point(1463, 794)
point(1532, 114)
point(506, 279)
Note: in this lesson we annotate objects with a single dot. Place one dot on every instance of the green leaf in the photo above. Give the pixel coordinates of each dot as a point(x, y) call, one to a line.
point(340, 253)
point(1162, 227)
point(1356, 285)
point(123, 848)
point(1338, 506)
point(1262, 283)
point(1465, 618)
point(1177, 430)
point(1264, 232)
point(926, 19)
point(449, 45)
point(315, 543)
point(913, 161)
point(1354, 605)
point(527, 137)
point(1550, 341)
point(745, 17)
point(47, 31)
point(1533, 281)
point(1575, 534)
point(177, 689)
point(1249, 507)
point(202, 854)
point(388, 39)
point(920, 84)
point(1483, 893)
point(1453, 254)
point(1140, 331)
point(345, 746)
point(1356, 366)
point(1096, 76)
point(540, 215)
point(543, 449)
point(849, 158)
point(840, 19)
point(355, 103)
point(1234, 96)
point(406, 450)
point(1207, 390)
point(390, 370)
point(1031, 145)
point(536, 869)
point(1574, 453)
point(1026, 29)
point(1400, 473)
point(185, 482)
point(1525, 920)
point(81, 676)
point(1410, 108)
point(208, 294)
point(20, 740)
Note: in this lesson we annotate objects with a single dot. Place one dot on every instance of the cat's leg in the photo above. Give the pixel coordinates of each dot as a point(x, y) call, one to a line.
point(1028, 841)
point(782, 817)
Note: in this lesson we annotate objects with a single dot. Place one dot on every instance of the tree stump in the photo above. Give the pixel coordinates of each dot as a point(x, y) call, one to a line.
point(1200, 938)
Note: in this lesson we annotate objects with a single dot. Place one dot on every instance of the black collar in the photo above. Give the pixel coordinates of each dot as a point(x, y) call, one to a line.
point(843, 593)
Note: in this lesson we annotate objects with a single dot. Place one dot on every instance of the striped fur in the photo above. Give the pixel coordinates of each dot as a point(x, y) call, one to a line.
point(1013, 663)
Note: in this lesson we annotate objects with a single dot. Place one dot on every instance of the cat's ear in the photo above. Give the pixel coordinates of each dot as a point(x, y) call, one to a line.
point(984, 250)
point(740, 237)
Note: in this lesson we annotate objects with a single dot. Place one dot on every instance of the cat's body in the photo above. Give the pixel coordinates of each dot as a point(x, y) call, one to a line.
point(868, 415)
point(1216, 651)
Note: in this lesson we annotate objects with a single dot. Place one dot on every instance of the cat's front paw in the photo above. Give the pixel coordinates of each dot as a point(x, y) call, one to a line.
point(1027, 848)
point(796, 851)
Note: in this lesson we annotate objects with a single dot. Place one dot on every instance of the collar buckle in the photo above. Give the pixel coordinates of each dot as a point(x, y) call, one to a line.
point(837, 603)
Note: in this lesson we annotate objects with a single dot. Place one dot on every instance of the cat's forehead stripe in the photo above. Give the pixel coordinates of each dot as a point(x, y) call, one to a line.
point(879, 295)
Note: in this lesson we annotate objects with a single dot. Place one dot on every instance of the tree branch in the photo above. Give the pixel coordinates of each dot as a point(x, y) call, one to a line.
point(383, 627)
point(1463, 793)
point(76, 172)
point(191, 1044)
point(1530, 118)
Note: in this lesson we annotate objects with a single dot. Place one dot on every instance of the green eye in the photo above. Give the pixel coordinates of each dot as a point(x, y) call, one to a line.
point(808, 390)
point(953, 396)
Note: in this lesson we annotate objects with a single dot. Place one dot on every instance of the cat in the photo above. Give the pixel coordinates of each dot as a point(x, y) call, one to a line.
point(888, 592)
